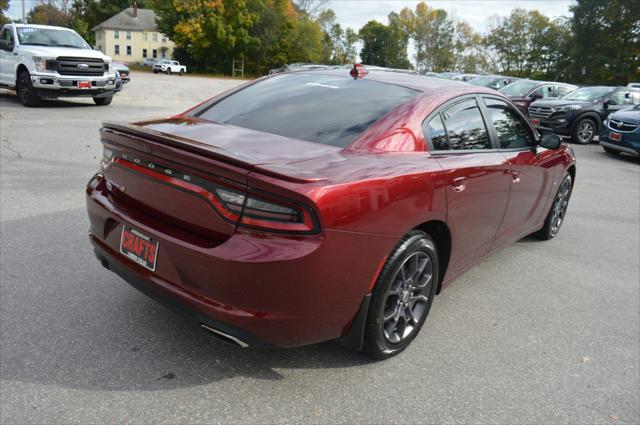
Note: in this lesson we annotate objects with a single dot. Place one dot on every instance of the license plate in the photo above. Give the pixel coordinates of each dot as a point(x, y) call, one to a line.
point(615, 136)
point(535, 121)
point(84, 85)
point(139, 247)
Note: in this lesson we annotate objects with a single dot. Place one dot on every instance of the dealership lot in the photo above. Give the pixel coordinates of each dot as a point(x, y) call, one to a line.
point(539, 332)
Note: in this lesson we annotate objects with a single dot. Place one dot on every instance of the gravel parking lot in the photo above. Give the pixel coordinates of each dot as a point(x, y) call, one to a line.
point(540, 332)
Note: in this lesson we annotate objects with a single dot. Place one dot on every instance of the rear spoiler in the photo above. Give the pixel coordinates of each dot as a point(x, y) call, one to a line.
point(138, 137)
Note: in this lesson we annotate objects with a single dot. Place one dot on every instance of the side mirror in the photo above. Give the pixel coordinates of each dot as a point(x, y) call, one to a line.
point(550, 141)
point(610, 102)
point(535, 96)
point(4, 45)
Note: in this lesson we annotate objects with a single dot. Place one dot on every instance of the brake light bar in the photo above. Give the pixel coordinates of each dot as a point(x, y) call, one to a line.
point(358, 71)
point(250, 209)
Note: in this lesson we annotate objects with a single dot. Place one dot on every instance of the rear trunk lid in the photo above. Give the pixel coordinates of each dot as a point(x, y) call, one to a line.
point(169, 173)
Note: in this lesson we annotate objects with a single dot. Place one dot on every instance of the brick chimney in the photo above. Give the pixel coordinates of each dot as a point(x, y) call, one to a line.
point(135, 9)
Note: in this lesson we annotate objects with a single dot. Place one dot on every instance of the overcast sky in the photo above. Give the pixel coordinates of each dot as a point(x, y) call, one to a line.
point(356, 13)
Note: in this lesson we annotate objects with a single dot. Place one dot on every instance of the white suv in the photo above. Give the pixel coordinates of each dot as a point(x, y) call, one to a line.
point(169, 67)
point(40, 61)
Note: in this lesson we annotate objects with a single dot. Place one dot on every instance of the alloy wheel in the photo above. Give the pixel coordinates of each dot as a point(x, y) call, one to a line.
point(560, 206)
point(585, 132)
point(406, 301)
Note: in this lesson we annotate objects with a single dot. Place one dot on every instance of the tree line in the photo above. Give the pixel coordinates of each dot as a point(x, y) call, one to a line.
point(598, 44)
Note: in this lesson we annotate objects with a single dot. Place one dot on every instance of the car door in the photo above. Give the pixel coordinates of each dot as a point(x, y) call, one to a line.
point(7, 60)
point(531, 169)
point(476, 176)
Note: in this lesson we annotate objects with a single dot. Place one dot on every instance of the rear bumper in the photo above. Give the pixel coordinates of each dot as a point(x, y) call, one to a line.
point(264, 289)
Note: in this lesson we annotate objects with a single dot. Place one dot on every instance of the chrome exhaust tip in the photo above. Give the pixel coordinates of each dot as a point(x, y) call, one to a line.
point(225, 337)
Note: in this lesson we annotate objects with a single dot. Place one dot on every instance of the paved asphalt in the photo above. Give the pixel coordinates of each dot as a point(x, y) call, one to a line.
point(540, 332)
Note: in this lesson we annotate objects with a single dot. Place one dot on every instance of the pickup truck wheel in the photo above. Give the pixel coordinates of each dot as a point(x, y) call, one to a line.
point(25, 91)
point(103, 101)
point(168, 71)
point(182, 72)
point(155, 71)
point(585, 131)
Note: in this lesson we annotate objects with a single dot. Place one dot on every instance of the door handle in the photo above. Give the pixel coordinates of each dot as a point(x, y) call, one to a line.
point(459, 184)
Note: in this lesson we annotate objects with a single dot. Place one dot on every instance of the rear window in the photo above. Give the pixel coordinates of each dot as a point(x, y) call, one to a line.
point(318, 108)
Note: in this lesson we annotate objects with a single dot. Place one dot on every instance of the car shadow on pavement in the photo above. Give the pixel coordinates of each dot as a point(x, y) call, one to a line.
point(68, 322)
point(9, 99)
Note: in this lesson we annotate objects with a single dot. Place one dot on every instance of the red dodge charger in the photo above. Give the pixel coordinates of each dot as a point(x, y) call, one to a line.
point(322, 205)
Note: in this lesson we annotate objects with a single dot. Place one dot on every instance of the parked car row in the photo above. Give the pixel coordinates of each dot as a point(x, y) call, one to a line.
point(582, 114)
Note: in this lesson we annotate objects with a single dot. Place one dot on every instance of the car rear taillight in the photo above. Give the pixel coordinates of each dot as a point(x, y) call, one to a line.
point(235, 203)
point(263, 212)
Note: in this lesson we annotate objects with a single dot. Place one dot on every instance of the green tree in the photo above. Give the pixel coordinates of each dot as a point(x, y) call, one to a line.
point(396, 55)
point(432, 32)
point(4, 6)
point(48, 14)
point(375, 37)
point(606, 41)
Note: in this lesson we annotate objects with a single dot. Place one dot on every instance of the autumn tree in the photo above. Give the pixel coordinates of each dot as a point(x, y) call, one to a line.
point(48, 14)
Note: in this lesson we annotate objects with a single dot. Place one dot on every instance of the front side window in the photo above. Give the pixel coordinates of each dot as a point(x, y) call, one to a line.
point(465, 127)
point(519, 88)
point(331, 110)
point(7, 36)
point(562, 90)
point(622, 98)
point(511, 131)
point(544, 91)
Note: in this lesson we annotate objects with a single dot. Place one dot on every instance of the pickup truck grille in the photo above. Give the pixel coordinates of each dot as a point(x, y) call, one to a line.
point(78, 66)
point(617, 125)
point(540, 112)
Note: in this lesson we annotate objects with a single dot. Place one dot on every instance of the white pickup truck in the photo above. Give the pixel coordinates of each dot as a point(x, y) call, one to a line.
point(169, 67)
point(40, 61)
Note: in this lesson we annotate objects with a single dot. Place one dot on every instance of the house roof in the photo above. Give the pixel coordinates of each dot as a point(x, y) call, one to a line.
point(146, 21)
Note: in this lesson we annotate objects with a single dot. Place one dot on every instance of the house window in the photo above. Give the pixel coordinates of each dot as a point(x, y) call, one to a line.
point(154, 53)
point(155, 36)
point(98, 35)
point(116, 49)
point(163, 52)
point(128, 35)
point(144, 53)
point(128, 50)
point(145, 36)
point(116, 34)
point(164, 38)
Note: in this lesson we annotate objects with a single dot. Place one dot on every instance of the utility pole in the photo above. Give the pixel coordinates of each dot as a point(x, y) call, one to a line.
point(23, 17)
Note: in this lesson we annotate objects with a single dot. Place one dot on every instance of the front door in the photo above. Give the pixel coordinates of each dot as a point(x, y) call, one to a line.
point(477, 176)
point(7, 61)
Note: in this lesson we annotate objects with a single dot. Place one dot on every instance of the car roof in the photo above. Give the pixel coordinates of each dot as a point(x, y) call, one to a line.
point(417, 82)
point(51, 27)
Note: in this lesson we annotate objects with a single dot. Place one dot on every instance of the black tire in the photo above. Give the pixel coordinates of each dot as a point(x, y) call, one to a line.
point(584, 131)
point(382, 337)
point(610, 151)
point(168, 71)
point(557, 213)
point(103, 101)
point(182, 72)
point(26, 93)
point(155, 71)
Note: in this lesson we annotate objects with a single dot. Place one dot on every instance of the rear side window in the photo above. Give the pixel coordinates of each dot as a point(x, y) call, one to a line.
point(464, 127)
point(511, 131)
point(326, 109)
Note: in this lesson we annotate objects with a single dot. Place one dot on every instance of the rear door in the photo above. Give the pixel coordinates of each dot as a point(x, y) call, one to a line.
point(530, 175)
point(477, 178)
